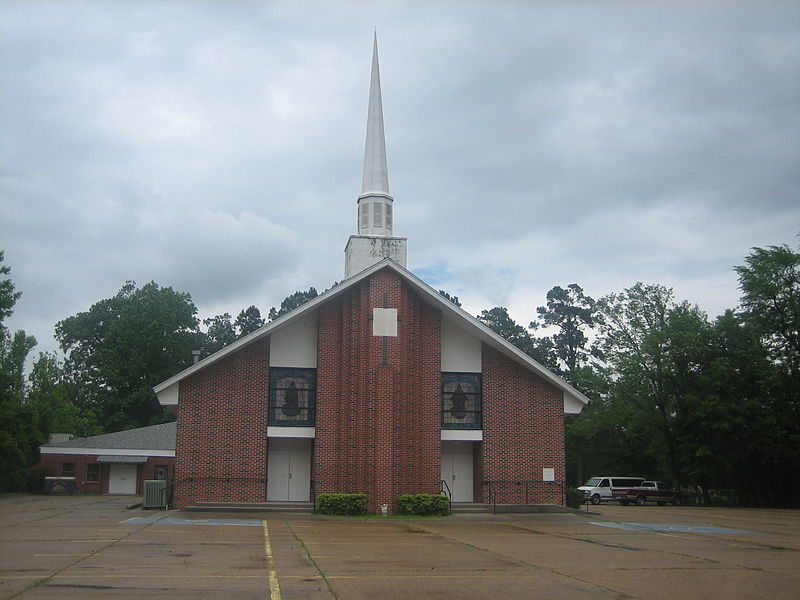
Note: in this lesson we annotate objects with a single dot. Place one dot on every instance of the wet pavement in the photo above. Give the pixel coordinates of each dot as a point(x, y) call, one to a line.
point(95, 547)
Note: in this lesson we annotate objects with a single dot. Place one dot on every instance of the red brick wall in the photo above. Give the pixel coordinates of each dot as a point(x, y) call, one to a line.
point(523, 432)
point(221, 450)
point(54, 463)
point(377, 413)
point(377, 427)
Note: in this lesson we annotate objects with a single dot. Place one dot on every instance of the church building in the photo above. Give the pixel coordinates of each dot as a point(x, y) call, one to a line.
point(380, 386)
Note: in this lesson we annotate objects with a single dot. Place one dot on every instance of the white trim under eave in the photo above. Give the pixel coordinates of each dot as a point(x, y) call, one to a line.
point(462, 435)
point(106, 451)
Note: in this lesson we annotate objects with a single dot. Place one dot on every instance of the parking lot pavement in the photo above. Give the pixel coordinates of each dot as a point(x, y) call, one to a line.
point(93, 547)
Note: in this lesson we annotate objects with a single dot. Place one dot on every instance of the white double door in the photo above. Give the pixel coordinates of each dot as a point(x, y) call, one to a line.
point(457, 469)
point(289, 470)
point(122, 479)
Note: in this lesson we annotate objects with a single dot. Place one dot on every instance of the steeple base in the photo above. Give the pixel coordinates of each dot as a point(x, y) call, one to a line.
point(363, 251)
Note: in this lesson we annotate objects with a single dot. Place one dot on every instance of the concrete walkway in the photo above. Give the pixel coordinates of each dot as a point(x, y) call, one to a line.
point(93, 547)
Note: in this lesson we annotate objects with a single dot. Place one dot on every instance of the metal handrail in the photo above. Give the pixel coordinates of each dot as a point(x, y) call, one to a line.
point(442, 487)
point(193, 478)
point(494, 487)
point(492, 496)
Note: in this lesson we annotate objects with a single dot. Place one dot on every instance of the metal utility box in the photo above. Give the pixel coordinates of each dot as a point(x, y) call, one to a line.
point(157, 493)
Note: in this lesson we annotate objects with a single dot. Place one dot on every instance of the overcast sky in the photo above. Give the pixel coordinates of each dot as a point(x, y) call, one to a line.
point(217, 147)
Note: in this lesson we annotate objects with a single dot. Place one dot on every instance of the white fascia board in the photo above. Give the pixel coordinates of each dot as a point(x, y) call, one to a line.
point(105, 451)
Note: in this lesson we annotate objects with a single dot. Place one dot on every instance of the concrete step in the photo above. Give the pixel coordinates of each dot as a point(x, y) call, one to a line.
point(462, 508)
point(250, 507)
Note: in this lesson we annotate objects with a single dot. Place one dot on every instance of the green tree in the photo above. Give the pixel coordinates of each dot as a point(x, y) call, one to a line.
point(248, 321)
point(453, 299)
point(770, 284)
point(652, 346)
point(770, 304)
point(50, 392)
point(220, 332)
point(21, 431)
point(573, 313)
point(123, 346)
point(498, 320)
point(291, 302)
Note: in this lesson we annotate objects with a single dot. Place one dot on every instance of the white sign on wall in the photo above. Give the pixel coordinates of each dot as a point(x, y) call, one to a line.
point(384, 322)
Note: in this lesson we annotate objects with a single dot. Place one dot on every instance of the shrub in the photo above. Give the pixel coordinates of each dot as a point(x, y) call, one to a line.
point(342, 504)
point(574, 497)
point(423, 504)
point(35, 481)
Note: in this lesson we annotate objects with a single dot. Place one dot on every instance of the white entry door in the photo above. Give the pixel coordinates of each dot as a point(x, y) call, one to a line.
point(289, 470)
point(457, 469)
point(122, 479)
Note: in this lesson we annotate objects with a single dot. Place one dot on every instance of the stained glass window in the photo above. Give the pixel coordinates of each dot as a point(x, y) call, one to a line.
point(461, 401)
point(292, 395)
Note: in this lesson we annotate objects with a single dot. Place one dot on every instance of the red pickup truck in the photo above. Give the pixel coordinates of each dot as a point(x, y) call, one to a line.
point(648, 491)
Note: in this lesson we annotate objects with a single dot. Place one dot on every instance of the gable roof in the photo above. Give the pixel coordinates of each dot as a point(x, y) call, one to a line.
point(155, 440)
point(574, 400)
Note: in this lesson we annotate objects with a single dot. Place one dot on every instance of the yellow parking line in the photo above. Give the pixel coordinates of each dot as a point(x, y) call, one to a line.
point(274, 587)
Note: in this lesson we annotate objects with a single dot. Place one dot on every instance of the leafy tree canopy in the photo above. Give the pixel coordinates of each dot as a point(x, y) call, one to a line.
point(499, 321)
point(573, 313)
point(123, 346)
point(291, 302)
point(770, 284)
point(453, 299)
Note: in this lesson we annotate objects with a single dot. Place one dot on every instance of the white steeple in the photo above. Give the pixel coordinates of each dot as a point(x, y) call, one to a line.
point(374, 240)
point(375, 203)
point(376, 175)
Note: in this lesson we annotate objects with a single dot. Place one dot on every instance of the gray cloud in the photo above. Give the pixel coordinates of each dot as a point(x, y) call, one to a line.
point(216, 147)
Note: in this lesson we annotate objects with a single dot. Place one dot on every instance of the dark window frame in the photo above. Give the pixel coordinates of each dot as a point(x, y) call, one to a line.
point(68, 469)
point(279, 414)
point(471, 390)
point(94, 476)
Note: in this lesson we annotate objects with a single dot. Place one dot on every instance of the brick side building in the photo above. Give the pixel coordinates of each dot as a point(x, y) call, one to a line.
point(113, 463)
point(380, 385)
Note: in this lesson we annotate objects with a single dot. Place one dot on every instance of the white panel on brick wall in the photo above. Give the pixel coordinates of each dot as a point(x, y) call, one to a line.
point(461, 352)
point(384, 322)
point(295, 345)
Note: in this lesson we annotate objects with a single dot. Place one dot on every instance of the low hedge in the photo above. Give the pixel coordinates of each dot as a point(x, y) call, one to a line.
point(575, 497)
point(423, 504)
point(342, 504)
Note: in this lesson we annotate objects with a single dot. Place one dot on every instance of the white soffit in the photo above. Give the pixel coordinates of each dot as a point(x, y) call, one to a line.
point(290, 432)
point(462, 435)
point(461, 351)
point(169, 396)
point(295, 345)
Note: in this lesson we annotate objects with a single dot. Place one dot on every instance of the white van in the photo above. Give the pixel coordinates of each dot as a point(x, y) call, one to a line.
point(598, 489)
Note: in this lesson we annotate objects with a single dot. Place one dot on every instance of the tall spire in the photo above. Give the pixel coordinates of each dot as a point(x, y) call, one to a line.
point(374, 240)
point(376, 175)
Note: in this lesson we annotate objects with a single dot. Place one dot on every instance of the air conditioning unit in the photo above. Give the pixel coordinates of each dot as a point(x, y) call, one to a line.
point(157, 493)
